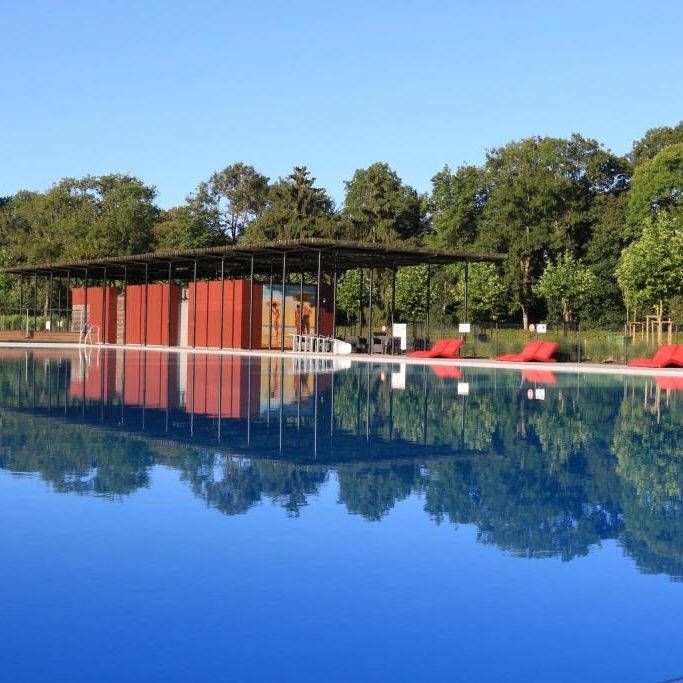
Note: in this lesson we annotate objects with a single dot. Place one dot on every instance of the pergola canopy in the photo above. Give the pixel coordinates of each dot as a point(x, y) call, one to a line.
point(299, 255)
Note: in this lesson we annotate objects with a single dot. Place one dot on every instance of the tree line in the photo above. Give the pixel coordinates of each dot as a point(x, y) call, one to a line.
point(589, 235)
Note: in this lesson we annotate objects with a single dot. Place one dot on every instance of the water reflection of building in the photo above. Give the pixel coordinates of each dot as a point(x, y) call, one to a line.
point(595, 460)
point(298, 407)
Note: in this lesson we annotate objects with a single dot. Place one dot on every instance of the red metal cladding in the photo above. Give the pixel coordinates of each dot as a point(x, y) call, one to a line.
point(99, 299)
point(161, 300)
point(204, 330)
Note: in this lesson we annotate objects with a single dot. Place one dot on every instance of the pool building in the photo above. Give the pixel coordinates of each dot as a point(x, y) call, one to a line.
point(235, 297)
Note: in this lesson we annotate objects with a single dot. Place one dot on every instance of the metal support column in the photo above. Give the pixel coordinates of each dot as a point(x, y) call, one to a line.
point(393, 299)
point(125, 301)
point(104, 306)
point(284, 299)
point(194, 311)
point(334, 300)
point(251, 304)
point(35, 303)
point(146, 301)
point(370, 313)
point(222, 314)
point(467, 288)
point(301, 304)
point(66, 303)
point(52, 285)
point(168, 306)
point(428, 301)
point(21, 299)
point(270, 322)
point(360, 305)
point(317, 293)
point(84, 318)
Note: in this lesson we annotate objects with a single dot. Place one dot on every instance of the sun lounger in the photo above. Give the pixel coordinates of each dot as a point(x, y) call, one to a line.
point(444, 348)
point(667, 356)
point(537, 352)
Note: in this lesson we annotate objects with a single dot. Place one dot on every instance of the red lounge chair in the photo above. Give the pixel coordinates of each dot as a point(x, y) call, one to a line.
point(444, 348)
point(539, 376)
point(538, 352)
point(447, 371)
point(667, 356)
point(452, 350)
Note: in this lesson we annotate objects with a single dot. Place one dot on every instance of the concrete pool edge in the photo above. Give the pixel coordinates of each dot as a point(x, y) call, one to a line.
point(571, 368)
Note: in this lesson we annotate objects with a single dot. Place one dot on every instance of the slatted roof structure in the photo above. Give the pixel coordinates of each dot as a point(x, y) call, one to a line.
point(307, 255)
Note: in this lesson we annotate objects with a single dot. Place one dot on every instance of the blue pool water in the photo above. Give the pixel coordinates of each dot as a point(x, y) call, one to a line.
point(215, 518)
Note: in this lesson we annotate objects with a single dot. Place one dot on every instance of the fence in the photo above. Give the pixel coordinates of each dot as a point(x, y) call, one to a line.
point(488, 340)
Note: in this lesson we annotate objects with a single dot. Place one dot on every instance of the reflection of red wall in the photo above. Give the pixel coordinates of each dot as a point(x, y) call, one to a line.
point(206, 332)
point(96, 380)
point(223, 385)
point(151, 379)
point(98, 297)
point(158, 296)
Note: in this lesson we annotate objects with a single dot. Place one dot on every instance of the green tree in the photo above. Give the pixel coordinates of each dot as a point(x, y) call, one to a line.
point(650, 271)
point(191, 226)
point(654, 141)
point(238, 194)
point(411, 293)
point(296, 210)
point(657, 185)
point(456, 203)
point(77, 219)
point(381, 208)
point(566, 286)
point(538, 204)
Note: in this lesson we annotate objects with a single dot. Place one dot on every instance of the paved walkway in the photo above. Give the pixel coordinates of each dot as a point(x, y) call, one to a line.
point(583, 368)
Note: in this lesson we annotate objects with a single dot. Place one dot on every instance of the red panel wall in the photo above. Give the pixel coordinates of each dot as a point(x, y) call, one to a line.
point(98, 299)
point(204, 331)
point(158, 311)
point(223, 385)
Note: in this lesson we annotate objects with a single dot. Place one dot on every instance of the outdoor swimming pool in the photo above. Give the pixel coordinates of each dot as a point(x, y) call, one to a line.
point(192, 517)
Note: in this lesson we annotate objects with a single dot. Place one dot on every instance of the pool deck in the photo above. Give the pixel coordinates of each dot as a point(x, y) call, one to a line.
point(572, 368)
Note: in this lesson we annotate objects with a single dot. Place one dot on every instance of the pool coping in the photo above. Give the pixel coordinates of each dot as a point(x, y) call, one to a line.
point(571, 368)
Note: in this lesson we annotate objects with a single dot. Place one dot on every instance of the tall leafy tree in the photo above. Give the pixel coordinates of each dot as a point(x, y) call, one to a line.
point(381, 208)
point(657, 185)
point(296, 209)
point(566, 286)
point(191, 226)
point(538, 205)
point(456, 203)
point(650, 271)
point(654, 141)
point(238, 195)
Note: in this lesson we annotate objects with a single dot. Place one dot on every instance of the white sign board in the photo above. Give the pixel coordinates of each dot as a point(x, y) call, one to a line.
point(542, 328)
point(464, 328)
point(400, 330)
point(539, 394)
point(463, 389)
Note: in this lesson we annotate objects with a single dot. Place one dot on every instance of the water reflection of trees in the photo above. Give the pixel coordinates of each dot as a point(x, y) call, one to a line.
point(593, 461)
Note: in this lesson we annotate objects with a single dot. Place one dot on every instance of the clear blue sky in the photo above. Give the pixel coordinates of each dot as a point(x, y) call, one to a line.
point(172, 91)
